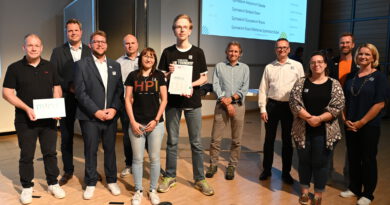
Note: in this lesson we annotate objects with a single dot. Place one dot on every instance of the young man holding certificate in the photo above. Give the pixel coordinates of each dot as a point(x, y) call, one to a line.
point(34, 78)
point(187, 56)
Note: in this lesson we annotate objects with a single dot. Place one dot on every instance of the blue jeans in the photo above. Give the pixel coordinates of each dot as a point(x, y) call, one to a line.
point(194, 125)
point(314, 161)
point(154, 145)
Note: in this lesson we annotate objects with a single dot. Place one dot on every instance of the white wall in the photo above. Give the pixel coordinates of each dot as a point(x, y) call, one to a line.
point(17, 18)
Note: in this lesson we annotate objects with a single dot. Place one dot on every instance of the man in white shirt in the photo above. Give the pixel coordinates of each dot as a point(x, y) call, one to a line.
point(129, 63)
point(64, 58)
point(278, 79)
point(98, 89)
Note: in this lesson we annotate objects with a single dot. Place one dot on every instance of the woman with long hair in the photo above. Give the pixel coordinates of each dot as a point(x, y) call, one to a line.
point(315, 102)
point(146, 99)
point(365, 92)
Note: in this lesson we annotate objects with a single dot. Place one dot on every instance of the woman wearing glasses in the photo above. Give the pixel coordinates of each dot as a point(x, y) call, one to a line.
point(315, 102)
point(365, 92)
point(146, 99)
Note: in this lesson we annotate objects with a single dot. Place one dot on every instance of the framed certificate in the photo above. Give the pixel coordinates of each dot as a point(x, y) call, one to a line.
point(49, 108)
point(181, 80)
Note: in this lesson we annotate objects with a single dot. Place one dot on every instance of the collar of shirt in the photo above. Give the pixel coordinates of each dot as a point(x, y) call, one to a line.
point(98, 61)
point(228, 63)
point(25, 62)
point(76, 49)
point(277, 63)
point(128, 57)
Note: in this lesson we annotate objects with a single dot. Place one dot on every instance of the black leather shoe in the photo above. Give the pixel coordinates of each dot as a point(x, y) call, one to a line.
point(65, 178)
point(287, 179)
point(264, 175)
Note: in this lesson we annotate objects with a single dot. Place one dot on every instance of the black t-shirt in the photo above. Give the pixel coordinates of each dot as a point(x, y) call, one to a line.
point(362, 93)
point(315, 98)
point(31, 83)
point(146, 94)
point(194, 57)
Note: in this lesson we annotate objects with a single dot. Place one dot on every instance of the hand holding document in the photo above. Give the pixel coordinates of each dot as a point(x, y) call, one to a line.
point(49, 108)
point(181, 80)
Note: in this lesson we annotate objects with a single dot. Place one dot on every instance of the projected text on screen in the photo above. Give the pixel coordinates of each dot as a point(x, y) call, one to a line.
point(257, 19)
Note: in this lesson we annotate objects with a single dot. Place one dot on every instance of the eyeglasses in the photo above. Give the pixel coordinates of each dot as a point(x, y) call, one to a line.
point(316, 62)
point(182, 27)
point(99, 42)
point(282, 48)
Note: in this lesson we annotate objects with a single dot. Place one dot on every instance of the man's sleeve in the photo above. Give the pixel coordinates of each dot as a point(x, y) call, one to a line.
point(216, 87)
point(263, 89)
point(10, 78)
point(202, 62)
point(164, 65)
point(243, 90)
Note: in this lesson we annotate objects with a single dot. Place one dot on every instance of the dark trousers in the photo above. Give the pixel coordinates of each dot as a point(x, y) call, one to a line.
point(362, 148)
point(125, 121)
point(314, 161)
point(92, 131)
point(67, 132)
point(278, 111)
point(27, 139)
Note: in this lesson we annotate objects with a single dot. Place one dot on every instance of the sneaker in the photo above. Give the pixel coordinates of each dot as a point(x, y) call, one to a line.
point(126, 171)
point(26, 195)
point(211, 171)
point(230, 172)
point(364, 201)
point(88, 193)
point(316, 201)
point(346, 194)
point(137, 198)
point(153, 196)
point(204, 187)
point(166, 184)
point(304, 199)
point(57, 191)
point(114, 188)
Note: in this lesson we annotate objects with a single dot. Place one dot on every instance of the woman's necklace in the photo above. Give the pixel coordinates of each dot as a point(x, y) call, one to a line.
point(367, 78)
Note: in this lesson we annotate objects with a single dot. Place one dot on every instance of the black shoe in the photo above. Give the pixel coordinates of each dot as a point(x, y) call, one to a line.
point(264, 175)
point(211, 171)
point(230, 172)
point(65, 178)
point(287, 179)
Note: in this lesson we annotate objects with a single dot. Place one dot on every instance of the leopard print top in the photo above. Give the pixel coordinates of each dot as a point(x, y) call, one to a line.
point(334, 107)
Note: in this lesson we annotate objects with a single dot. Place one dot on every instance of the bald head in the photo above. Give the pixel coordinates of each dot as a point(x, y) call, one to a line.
point(32, 47)
point(130, 44)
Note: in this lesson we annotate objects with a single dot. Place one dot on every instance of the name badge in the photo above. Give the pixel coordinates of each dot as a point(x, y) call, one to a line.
point(113, 72)
point(371, 79)
point(306, 90)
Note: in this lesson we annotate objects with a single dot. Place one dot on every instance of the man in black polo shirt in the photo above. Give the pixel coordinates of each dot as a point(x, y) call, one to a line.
point(33, 78)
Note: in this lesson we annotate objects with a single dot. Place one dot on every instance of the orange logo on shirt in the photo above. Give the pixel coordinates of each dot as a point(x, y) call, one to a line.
point(145, 86)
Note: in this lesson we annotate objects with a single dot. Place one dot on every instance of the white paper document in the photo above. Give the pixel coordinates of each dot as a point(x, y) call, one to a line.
point(181, 80)
point(49, 108)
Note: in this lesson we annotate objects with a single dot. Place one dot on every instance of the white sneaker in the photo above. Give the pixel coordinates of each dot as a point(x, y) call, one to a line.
point(26, 195)
point(153, 196)
point(57, 191)
point(346, 194)
point(363, 201)
point(88, 193)
point(126, 171)
point(114, 188)
point(137, 198)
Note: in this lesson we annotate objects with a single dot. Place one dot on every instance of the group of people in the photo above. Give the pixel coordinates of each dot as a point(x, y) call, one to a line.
point(97, 91)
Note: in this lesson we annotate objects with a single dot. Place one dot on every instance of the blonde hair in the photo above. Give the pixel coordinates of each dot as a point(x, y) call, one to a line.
point(374, 51)
point(182, 16)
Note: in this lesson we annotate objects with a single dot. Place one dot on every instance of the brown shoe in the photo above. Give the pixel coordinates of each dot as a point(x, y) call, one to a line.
point(65, 178)
point(316, 201)
point(304, 199)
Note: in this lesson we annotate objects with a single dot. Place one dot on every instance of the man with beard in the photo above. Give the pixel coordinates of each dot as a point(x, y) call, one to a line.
point(339, 67)
point(64, 58)
point(98, 89)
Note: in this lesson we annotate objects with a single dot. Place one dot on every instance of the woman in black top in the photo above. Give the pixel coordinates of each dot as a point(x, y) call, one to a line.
point(365, 92)
point(315, 102)
point(146, 99)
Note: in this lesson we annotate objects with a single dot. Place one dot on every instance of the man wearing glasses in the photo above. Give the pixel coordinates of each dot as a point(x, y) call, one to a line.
point(278, 79)
point(98, 89)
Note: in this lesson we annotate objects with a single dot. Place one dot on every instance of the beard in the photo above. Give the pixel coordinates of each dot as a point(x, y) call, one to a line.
point(97, 54)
